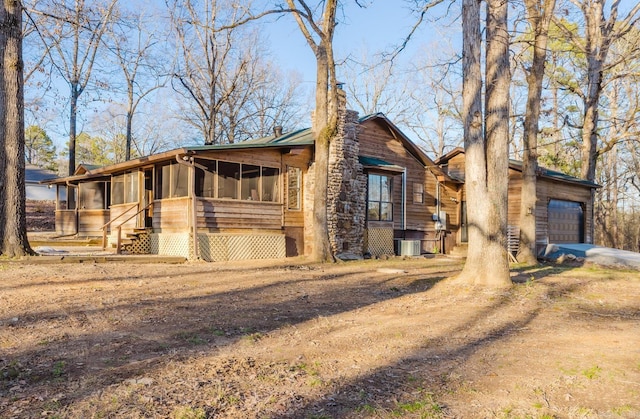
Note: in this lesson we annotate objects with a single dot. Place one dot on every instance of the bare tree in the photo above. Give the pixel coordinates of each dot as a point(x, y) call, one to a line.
point(133, 46)
point(318, 30)
point(13, 229)
point(212, 66)
point(486, 152)
point(374, 85)
point(75, 32)
point(435, 114)
point(539, 14)
point(275, 100)
point(600, 33)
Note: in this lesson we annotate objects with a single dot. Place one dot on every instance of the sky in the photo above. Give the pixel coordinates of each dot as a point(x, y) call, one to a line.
point(381, 26)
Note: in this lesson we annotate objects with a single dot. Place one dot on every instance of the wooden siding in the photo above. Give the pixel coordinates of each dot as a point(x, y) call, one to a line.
point(122, 212)
point(66, 222)
point(548, 189)
point(376, 140)
point(263, 157)
point(294, 218)
point(171, 215)
point(90, 222)
point(215, 214)
point(456, 167)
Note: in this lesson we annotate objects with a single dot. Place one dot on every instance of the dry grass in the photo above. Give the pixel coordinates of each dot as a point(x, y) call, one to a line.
point(376, 339)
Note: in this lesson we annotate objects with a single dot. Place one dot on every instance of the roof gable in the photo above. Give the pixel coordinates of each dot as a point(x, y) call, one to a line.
point(517, 165)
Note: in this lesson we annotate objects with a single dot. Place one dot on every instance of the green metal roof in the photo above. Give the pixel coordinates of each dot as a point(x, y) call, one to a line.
point(302, 137)
point(553, 174)
point(374, 162)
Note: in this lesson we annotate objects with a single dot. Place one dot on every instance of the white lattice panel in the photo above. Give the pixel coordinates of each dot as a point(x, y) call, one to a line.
point(220, 247)
point(257, 246)
point(213, 247)
point(379, 241)
point(171, 244)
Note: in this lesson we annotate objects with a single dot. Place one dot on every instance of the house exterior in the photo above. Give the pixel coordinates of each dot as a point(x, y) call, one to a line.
point(564, 208)
point(35, 190)
point(254, 199)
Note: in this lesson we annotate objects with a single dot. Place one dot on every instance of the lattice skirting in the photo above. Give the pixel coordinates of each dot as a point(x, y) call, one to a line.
point(220, 247)
point(141, 244)
point(379, 241)
point(171, 244)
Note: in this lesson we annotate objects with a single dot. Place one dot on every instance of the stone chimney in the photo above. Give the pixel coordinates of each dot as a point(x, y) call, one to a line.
point(347, 186)
point(277, 131)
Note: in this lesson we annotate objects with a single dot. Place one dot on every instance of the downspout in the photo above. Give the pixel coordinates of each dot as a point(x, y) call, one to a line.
point(439, 234)
point(194, 227)
point(404, 202)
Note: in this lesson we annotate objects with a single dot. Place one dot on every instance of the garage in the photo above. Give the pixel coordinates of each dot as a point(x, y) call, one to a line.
point(566, 221)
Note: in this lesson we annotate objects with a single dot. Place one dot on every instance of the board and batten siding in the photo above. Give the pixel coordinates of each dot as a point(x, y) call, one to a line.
point(548, 189)
point(294, 218)
point(376, 140)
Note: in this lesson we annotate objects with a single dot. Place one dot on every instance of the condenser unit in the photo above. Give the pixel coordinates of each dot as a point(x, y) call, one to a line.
point(409, 248)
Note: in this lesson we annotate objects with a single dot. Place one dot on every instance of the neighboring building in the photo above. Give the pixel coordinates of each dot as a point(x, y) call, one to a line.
point(254, 199)
point(35, 190)
point(564, 210)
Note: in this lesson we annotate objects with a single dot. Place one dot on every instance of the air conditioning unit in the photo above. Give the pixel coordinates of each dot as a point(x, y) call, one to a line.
point(410, 248)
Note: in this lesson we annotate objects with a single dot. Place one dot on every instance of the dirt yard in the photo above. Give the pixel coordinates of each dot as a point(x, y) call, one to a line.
point(370, 339)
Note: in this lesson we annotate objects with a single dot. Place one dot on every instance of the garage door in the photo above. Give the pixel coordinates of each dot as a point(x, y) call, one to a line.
point(566, 222)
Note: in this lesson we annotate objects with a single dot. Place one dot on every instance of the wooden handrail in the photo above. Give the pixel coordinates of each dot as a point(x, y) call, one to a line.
point(104, 227)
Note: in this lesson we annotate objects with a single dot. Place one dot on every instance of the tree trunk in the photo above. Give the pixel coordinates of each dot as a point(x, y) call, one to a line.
point(539, 17)
point(73, 115)
point(128, 139)
point(486, 155)
point(322, 132)
point(498, 80)
point(13, 228)
point(325, 116)
point(475, 162)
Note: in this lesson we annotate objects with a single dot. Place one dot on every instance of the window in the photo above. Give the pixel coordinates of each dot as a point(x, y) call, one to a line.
point(179, 180)
point(117, 190)
point(236, 181)
point(205, 178)
point(131, 187)
point(66, 197)
point(124, 188)
point(294, 180)
point(92, 195)
point(172, 180)
point(249, 186)
point(418, 193)
point(379, 205)
point(228, 179)
point(270, 184)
